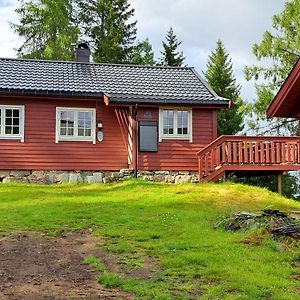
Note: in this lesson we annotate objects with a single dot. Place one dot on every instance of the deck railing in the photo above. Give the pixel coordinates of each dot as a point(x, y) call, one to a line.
point(248, 150)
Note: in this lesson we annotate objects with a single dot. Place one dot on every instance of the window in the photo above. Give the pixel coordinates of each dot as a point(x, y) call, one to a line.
point(12, 122)
point(75, 124)
point(175, 124)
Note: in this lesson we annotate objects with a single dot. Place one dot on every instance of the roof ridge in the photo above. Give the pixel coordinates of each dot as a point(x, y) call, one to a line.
point(94, 64)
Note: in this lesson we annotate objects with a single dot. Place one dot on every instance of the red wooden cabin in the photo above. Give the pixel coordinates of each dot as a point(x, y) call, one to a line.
point(85, 116)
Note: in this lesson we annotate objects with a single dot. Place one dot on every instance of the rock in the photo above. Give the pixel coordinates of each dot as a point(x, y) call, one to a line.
point(125, 178)
point(73, 178)
point(90, 179)
point(4, 173)
point(107, 179)
point(182, 179)
point(16, 173)
point(170, 178)
point(145, 173)
point(183, 173)
point(61, 178)
point(79, 178)
point(15, 179)
point(40, 177)
point(148, 177)
point(115, 175)
point(98, 177)
point(125, 171)
point(194, 178)
point(158, 178)
point(162, 172)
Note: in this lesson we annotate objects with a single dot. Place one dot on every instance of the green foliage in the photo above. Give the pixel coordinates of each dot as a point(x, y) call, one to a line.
point(282, 48)
point(48, 28)
point(94, 263)
point(290, 185)
point(170, 54)
point(171, 225)
point(143, 54)
point(219, 75)
point(110, 280)
point(107, 25)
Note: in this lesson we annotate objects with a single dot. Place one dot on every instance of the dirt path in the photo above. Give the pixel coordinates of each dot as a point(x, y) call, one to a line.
point(50, 268)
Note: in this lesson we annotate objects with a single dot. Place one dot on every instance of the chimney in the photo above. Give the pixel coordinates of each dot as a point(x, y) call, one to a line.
point(83, 53)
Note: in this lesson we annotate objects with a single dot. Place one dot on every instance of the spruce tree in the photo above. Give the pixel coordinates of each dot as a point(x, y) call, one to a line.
point(170, 55)
point(219, 75)
point(48, 28)
point(107, 25)
point(143, 54)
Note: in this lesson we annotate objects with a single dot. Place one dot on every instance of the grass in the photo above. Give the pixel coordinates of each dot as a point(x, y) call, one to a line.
point(173, 226)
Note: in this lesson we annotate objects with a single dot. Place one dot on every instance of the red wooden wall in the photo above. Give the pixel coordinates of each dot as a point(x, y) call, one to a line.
point(40, 152)
point(176, 154)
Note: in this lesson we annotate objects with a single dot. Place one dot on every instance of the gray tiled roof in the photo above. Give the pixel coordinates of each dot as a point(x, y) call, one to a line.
point(121, 83)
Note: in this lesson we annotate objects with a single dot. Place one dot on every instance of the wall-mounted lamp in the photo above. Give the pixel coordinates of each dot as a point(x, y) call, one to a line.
point(100, 125)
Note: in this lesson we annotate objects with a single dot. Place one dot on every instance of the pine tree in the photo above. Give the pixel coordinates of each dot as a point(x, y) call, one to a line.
point(48, 29)
point(107, 25)
point(219, 75)
point(143, 54)
point(170, 55)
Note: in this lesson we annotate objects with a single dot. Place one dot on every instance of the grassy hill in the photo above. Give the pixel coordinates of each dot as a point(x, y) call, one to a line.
point(169, 228)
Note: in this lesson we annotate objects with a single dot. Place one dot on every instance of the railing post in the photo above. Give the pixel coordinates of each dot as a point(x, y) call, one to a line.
point(200, 169)
point(279, 184)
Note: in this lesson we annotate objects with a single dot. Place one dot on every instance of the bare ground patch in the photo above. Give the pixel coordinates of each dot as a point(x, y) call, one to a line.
point(36, 267)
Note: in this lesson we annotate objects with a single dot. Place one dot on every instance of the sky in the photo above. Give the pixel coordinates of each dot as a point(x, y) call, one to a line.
point(197, 23)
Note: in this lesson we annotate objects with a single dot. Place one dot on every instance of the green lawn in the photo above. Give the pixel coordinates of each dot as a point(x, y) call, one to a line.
point(173, 226)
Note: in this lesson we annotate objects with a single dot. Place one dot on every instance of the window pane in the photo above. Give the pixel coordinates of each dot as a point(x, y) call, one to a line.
point(8, 113)
point(16, 130)
point(80, 131)
point(8, 121)
point(63, 131)
point(8, 130)
point(70, 131)
point(67, 123)
point(88, 132)
point(16, 121)
point(16, 113)
point(168, 121)
point(84, 123)
point(182, 122)
point(12, 121)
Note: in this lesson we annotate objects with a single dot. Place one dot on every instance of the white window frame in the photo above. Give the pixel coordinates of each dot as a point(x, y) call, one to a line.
point(75, 138)
point(21, 134)
point(175, 136)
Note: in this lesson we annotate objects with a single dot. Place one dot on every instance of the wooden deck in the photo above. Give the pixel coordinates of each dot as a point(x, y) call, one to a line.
point(229, 154)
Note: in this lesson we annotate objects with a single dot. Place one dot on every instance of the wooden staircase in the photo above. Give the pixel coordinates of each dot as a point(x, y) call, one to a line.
point(228, 154)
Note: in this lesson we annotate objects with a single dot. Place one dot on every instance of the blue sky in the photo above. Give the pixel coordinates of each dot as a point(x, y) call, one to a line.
point(197, 23)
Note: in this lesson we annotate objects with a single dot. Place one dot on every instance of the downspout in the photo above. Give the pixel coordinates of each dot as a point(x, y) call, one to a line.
point(136, 141)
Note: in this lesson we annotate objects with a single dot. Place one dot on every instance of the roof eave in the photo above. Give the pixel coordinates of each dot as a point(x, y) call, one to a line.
point(27, 92)
point(220, 103)
point(283, 94)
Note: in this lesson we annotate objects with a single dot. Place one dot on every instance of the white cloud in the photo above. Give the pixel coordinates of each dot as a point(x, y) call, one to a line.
point(9, 40)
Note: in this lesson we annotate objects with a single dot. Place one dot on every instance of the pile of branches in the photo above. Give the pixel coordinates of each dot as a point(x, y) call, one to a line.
point(276, 222)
